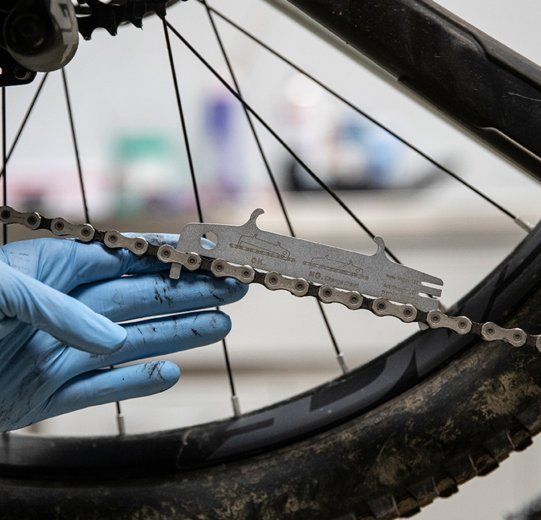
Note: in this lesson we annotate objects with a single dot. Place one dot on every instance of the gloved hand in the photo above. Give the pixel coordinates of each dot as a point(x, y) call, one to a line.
point(59, 300)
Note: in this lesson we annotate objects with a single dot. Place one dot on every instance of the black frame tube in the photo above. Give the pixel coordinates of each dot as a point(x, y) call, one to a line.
point(476, 81)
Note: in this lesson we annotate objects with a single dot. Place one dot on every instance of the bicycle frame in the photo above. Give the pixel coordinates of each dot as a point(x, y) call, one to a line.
point(491, 91)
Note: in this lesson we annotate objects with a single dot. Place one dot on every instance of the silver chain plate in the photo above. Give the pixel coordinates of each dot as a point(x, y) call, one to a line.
point(248, 274)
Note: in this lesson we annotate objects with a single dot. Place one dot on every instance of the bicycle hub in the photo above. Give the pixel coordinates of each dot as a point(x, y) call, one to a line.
point(36, 36)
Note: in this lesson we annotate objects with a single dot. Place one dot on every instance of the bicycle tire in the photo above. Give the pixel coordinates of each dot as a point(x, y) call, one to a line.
point(303, 479)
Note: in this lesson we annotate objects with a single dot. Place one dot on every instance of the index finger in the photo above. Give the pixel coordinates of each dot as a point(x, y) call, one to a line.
point(66, 264)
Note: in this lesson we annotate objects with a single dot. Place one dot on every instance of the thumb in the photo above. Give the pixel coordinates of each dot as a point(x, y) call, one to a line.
point(30, 301)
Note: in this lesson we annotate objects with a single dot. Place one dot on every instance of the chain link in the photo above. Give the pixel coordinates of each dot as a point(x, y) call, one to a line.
point(273, 281)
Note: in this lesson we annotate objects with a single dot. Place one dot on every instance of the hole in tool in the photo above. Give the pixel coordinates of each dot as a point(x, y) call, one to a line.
point(209, 240)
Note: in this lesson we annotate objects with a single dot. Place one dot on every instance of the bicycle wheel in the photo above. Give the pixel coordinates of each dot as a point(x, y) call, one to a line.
point(292, 460)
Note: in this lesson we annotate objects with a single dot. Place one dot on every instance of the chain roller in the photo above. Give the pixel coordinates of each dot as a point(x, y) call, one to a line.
point(62, 228)
point(276, 281)
point(222, 269)
point(167, 254)
point(351, 299)
point(404, 312)
point(492, 332)
point(10, 216)
point(440, 320)
point(115, 240)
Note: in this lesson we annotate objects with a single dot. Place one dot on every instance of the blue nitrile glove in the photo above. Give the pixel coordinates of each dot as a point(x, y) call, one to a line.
point(58, 302)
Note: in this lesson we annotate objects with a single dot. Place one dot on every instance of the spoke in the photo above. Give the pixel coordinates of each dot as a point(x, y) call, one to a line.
point(253, 130)
point(24, 121)
point(75, 145)
point(234, 398)
point(4, 163)
point(339, 355)
point(183, 125)
point(276, 136)
point(272, 178)
point(120, 421)
point(519, 221)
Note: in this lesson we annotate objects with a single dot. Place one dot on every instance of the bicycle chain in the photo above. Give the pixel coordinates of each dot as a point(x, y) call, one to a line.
point(273, 281)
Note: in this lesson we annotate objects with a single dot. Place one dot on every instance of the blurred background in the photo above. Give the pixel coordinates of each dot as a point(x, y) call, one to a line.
point(136, 173)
